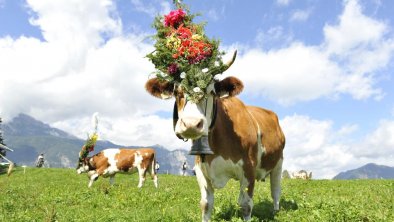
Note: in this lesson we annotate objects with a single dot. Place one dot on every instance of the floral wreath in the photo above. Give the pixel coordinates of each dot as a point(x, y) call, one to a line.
point(183, 54)
point(89, 145)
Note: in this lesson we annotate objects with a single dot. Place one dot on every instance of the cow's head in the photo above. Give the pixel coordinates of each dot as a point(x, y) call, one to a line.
point(83, 160)
point(193, 119)
point(83, 165)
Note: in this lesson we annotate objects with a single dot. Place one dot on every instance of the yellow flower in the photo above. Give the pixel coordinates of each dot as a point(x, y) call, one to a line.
point(196, 37)
point(173, 42)
point(94, 138)
point(91, 140)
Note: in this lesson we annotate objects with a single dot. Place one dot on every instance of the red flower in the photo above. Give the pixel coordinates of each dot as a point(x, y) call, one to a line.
point(184, 33)
point(174, 18)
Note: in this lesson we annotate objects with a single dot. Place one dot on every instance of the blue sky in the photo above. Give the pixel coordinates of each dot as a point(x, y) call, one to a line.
point(325, 67)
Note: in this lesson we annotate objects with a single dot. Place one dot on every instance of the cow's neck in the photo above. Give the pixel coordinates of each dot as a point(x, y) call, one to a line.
point(91, 167)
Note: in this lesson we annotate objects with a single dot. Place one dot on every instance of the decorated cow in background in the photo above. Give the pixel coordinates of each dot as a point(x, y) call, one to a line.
point(229, 138)
point(108, 162)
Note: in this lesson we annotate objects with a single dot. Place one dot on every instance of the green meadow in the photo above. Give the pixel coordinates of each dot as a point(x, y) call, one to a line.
point(51, 194)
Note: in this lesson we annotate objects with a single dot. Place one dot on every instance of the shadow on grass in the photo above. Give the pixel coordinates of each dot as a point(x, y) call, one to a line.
point(263, 210)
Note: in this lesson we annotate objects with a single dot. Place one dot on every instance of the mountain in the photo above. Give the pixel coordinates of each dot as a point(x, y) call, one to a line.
point(24, 125)
point(369, 171)
point(29, 137)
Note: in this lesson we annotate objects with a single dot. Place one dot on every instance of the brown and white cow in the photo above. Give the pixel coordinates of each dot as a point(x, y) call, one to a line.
point(247, 141)
point(302, 174)
point(108, 162)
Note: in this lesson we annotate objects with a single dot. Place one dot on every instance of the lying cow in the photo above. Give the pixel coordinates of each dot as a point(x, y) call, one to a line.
point(302, 174)
point(111, 161)
point(247, 141)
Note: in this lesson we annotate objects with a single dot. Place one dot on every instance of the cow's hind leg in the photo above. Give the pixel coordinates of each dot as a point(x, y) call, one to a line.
point(275, 178)
point(207, 194)
point(245, 199)
point(154, 176)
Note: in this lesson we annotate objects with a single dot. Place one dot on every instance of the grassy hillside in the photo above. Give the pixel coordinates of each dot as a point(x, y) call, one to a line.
point(61, 195)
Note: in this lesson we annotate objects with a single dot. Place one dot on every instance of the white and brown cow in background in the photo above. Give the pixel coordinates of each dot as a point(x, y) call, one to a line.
point(247, 141)
point(302, 174)
point(108, 162)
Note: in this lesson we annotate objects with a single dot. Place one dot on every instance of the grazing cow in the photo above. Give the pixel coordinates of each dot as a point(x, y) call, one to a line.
point(247, 141)
point(111, 161)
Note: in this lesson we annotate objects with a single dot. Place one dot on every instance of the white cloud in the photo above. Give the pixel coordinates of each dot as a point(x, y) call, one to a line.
point(151, 8)
point(283, 2)
point(289, 75)
point(300, 15)
point(310, 146)
point(274, 36)
point(346, 62)
point(84, 65)
point(314, 145)
point(380, 142)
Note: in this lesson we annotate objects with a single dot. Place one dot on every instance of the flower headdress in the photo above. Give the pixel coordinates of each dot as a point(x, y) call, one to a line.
point(91, 140)
point(183, 53)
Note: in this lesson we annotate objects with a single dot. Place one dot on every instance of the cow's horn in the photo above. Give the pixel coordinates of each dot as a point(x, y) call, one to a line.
point(229, 63)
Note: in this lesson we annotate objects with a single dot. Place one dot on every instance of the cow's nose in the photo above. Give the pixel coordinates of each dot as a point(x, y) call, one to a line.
point(192, 123)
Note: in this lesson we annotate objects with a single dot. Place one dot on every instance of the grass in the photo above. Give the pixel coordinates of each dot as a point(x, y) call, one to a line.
point(50, 194)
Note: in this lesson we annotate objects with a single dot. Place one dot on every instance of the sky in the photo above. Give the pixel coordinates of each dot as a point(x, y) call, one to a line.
point(325, 67)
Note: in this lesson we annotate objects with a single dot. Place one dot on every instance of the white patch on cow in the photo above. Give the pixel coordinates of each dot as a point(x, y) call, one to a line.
point(110, 155)
point(261, 173)
point(220, 171)
point(137, 160)
point(193, 113)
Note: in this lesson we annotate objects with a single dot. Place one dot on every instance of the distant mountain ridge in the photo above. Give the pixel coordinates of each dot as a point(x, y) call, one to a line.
point(368, 171)
point(24, 125)
point(29, 137)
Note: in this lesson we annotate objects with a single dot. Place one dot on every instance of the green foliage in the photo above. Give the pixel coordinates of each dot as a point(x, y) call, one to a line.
point(182, 51)
point(49, 194)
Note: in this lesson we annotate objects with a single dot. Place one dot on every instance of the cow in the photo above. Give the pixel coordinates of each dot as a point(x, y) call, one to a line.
point(247, 141)
point(110, 161)
point(302, 174)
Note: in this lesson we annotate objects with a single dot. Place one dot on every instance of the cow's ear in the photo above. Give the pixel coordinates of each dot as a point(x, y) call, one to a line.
point(159, 88)
point(230, 86)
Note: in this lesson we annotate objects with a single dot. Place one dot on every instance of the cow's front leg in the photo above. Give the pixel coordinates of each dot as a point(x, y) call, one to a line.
point(275, 178)
point(112, 179)
point(93, 176)
point(245, 199)
point(207, 194)
point(141, 173)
